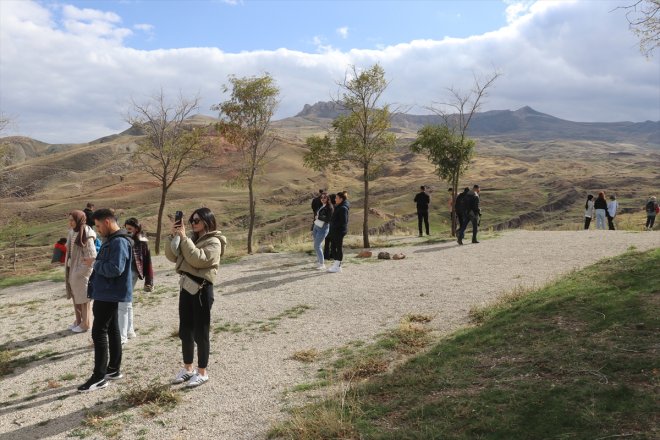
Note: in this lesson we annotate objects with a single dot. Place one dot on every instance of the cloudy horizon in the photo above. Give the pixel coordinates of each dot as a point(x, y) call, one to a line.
point(68, 74)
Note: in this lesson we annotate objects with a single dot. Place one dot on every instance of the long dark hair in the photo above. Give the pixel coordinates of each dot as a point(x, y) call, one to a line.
point(329, 206)
point(589, 197)
point(207, 218)
point(138, 227)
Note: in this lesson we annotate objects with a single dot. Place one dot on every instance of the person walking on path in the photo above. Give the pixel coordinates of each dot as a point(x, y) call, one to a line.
point(588, 211)
point(327, 245)
point(600, 205)
point(612, 207)
point(89, 212)
point(651, 212)
point(472, 214)
point(197, 260)
point(321, 228)
point(461, 212)
point(79, 247)
point(422, 200)
point(140, 269)
point(110, 284)
point(339, 229)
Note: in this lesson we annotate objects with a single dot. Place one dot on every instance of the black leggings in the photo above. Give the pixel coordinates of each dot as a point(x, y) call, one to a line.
point(194, 324)
point(650, 219)
point(587, 222)
point(336, 245)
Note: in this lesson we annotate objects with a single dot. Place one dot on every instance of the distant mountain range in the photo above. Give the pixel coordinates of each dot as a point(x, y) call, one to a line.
point(524, 124)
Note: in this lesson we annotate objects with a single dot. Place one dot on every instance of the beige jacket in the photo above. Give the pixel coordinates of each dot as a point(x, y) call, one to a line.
point(77, 272)
point(201, 258)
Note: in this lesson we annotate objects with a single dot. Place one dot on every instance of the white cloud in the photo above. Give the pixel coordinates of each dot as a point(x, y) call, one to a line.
point(343, 32)
point(70, 81)
point(144, 27)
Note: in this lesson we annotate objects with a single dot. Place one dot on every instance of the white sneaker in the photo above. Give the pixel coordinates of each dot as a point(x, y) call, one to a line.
point(72, 326)
point(197, 380)
point(183, 376)
point(335, 268)
point(77, 329)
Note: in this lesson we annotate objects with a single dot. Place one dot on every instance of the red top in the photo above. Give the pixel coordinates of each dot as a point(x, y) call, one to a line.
point(62, 248)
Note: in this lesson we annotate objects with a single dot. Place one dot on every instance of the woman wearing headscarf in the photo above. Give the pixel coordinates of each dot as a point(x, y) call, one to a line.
point(80, 245)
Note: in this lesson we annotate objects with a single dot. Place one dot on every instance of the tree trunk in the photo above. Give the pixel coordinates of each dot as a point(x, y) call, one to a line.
point(252, 214)
point(454, 215)
point(161, 208)
point(365, 222)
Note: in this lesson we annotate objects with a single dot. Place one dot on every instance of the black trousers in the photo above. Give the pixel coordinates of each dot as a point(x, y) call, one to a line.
point(336, 245)
point(327, 248)
point(194, 324)
point(423, 216)
point(650, 219)
point(465, 221)
point(610, 223)
point(587, 222)
point(105, 334)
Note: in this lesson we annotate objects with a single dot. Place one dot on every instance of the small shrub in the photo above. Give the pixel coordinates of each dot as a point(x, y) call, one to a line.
point(305, 355)
point(156, 395)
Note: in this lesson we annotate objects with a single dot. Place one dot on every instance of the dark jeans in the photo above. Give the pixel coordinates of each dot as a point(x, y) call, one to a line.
point(425, 217)
point(105, 334)
point(336, 243)
point(587, 222)
point(470, 217)
point(610, 223)
point(327, 248)
point(650, 219)
point(194, 324)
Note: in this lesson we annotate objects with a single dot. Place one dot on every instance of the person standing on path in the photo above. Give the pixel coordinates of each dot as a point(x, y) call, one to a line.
point(79, 247)
point(651, 212)
point(472, 214)
point(588, 211)
point(110, 284)
point(422, 200)
point(141, 269)
point(197, 260)
point(461, 213)
point(321, 228)
point(600, 205)
point(339, 229)
point(612, 207)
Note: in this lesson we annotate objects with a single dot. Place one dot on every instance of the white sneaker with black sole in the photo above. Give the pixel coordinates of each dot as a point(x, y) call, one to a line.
point(93, 384)
point(197, 380)
point(183, 376)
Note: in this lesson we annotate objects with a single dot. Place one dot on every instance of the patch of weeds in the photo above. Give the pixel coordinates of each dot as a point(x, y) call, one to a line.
point(79, 433)
point(230, 259)
point(366, 367)
point(67, 376)
point(410, 337)
point(310, 386)
point(155, 397)
point(306, 356)
point(423, 319)
point(479, 314)
point(99, 421)
point(53, 384)
point(228, 327)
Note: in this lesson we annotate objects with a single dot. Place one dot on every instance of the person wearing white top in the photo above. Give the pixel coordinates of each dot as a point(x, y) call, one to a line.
point(612, 207)
point(589, 211)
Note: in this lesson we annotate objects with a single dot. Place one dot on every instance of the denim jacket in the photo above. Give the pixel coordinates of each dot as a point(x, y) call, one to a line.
point(112, 279)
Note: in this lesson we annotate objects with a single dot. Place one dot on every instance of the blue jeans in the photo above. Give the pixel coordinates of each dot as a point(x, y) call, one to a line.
point(319, 235)
point(600, 218)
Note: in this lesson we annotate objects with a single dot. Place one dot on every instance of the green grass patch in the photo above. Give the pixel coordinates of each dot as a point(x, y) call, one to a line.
point(576, 359)
point(55, 275)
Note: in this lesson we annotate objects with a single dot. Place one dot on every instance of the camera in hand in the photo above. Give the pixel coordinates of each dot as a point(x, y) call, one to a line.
point(178, 217)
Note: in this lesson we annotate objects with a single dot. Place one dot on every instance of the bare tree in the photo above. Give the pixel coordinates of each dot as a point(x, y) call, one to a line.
point(457, 113)
point(13, 232)
point(245, 123)
point(171, 146)
point(644, 19)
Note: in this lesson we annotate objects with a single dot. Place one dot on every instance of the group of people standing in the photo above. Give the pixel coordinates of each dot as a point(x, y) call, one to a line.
point(603, 210)
point(103, 283)
point(329, 228)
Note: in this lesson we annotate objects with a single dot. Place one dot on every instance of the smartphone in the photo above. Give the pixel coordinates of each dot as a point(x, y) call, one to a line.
point(178, 217)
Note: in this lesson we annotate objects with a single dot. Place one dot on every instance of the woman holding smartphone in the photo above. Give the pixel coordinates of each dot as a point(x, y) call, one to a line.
point(197, 260)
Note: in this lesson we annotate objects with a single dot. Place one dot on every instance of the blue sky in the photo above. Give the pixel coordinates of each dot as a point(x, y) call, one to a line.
point(297, 25)
point(69, 69)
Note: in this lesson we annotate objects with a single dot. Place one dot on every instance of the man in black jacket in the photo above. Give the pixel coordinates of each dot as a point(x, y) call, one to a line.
point(472, 214)
point(89, 211)
point(461, 207)
point(422, 200)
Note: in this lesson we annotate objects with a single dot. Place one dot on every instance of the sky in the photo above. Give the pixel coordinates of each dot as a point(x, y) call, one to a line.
point(69, 70)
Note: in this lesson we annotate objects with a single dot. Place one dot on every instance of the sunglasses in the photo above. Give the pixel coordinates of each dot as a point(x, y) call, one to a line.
point(196, 221)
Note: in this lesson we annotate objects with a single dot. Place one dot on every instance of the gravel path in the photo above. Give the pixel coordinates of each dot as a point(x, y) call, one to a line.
point(276, 304)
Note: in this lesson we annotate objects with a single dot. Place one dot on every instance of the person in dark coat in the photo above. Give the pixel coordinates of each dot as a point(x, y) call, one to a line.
point(89, 212)
point(339, 229)
point(472, 214)
point(327, 245)
point(460, 206)
point(422, 200)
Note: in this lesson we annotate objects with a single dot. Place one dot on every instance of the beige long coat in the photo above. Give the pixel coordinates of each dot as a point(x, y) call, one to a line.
point(77, 273)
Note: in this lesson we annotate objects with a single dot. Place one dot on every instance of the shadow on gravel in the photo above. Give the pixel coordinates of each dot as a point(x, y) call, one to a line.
point(258, 277)
point(273, 283)
point(284, 264)
point(52, 427)
point(32, 402)
point(39, 339)
point(436, 248)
